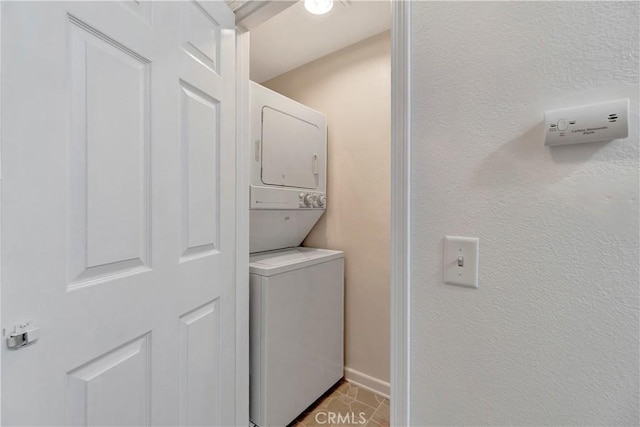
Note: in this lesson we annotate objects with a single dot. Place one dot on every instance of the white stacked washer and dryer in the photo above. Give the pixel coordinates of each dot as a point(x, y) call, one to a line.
point(296, 293)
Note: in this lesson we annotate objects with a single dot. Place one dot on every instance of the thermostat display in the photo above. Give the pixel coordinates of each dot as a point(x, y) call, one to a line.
point(604, 121)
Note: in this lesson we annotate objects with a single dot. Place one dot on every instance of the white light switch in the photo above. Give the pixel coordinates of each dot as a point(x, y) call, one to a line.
point(461, 261)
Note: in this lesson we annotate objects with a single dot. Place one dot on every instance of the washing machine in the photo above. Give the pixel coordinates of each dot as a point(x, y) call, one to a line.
point(296, 323)
point(296, 293)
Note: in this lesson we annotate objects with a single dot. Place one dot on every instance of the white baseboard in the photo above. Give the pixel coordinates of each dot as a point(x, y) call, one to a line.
point(368, 382)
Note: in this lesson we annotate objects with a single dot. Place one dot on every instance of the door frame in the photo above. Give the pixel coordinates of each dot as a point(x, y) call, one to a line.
point(2, 327)
point(400, 211)
point(243, 142)
point(400, 195)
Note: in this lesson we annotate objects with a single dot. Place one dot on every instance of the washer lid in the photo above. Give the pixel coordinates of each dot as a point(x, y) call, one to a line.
point(281, 261)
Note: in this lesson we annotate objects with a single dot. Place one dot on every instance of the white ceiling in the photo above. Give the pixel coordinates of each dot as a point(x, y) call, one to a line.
point(295, 37)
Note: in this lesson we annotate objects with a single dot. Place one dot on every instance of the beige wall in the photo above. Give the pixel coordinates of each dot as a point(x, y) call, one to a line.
point(352, 87)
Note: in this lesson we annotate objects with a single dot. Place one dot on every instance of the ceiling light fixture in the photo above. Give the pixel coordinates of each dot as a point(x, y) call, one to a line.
point(318, 7)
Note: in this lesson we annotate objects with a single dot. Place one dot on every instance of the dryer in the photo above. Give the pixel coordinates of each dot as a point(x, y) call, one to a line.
point(288, 170)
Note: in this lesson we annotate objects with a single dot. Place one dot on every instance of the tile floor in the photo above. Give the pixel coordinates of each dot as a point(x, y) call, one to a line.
point(346, 405)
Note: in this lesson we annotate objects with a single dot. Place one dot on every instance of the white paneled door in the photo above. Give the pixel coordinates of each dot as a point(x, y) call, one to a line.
point(118, 212)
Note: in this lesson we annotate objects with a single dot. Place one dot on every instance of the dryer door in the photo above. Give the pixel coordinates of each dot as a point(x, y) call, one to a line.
point(289, 150)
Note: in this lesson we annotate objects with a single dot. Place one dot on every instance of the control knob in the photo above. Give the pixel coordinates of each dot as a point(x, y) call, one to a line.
point(321, 200)
point(308, 200)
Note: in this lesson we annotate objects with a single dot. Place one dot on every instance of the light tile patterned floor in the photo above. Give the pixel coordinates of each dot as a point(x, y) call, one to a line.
point(346, 405)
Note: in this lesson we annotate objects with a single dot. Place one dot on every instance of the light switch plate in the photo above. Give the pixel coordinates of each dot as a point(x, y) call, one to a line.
point(460, 265)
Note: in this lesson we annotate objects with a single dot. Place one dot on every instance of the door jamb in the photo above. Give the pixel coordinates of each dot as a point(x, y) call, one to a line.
point(1, 326)
point(400, 211)
point(243, 136)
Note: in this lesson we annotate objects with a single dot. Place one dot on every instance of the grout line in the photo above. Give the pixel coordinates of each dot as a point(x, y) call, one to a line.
point(367, 405)
point(336, 393)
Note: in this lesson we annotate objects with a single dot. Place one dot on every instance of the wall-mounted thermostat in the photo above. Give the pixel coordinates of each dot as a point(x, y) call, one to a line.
point(604, 121)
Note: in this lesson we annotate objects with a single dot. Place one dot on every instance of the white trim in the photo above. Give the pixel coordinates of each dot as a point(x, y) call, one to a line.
point(1, 326)
point(242, 228)
point(368, 382)
point(252, 13)
point(400, 204)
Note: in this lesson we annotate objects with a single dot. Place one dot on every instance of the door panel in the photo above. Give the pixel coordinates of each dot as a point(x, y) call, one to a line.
point(110, 132)
point(199, 346)
point(118, 212)
point(119, 378)
point(201, 36)
point(200, 147)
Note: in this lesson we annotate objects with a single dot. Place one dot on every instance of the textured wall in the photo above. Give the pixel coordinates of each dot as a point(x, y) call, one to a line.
point(551, 335)
point(352, 87)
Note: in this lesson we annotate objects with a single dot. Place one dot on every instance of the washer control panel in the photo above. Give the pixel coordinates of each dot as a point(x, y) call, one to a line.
point(312, 200)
